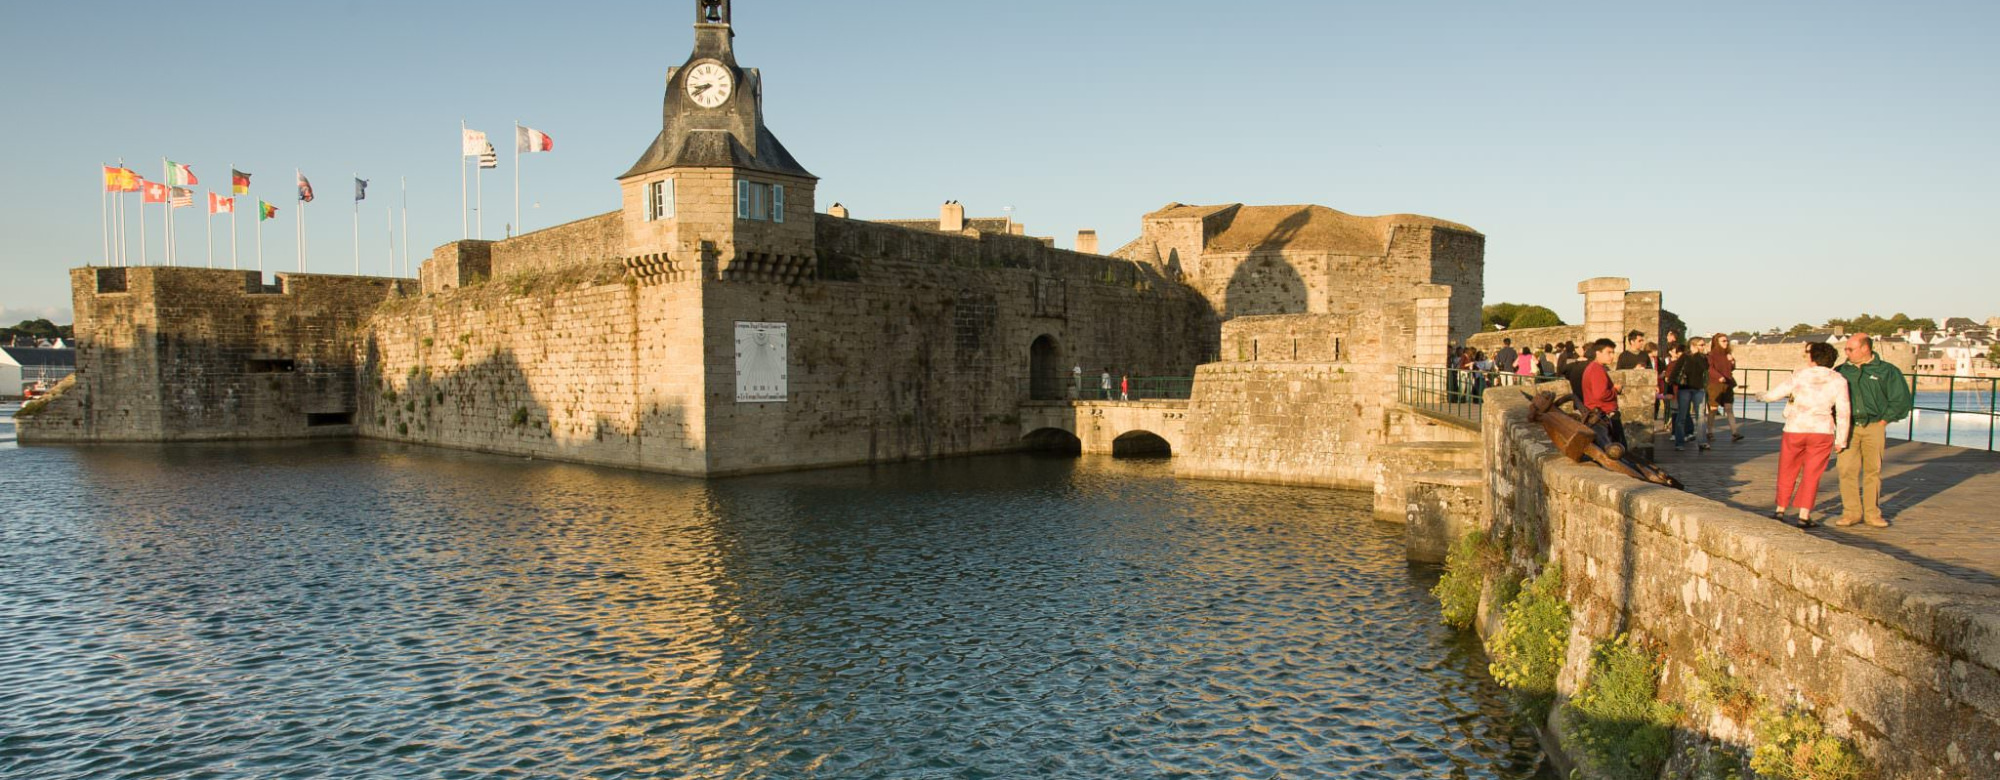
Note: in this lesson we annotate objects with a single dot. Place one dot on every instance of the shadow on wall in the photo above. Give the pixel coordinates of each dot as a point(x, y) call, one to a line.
point(493, 404)
point(1266, 283)
point(1140, 444)
point(1054, 441)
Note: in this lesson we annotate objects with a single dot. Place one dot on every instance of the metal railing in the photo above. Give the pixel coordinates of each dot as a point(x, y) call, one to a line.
point(1143, 388)
point(1955, 411)
point(1455, 393)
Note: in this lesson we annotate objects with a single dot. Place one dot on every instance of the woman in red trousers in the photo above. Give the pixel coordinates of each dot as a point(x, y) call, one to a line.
point(1816, 426)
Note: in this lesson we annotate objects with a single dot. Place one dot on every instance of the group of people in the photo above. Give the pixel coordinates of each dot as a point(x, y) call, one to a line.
point(1845, 411)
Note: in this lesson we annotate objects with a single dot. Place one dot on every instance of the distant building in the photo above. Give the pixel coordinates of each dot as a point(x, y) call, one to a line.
point(21, 367)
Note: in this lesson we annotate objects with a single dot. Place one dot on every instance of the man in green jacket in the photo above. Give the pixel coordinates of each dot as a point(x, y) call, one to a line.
point(1879, 395)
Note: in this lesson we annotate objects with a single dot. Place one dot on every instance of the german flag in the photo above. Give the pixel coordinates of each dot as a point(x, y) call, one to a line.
point(239, 182)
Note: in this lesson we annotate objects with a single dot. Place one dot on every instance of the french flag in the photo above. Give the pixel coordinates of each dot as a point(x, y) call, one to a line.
point(528, 140)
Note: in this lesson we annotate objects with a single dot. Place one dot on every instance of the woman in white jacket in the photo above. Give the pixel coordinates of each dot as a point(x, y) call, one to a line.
point(1816, 425)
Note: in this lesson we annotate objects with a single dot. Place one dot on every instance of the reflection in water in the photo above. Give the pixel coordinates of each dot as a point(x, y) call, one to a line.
point(370, 610)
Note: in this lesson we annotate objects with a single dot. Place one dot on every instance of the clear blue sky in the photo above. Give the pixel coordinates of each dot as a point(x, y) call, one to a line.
point(1762, 163)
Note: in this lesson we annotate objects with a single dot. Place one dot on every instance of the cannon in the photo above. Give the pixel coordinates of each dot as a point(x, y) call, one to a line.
point(1576, 438)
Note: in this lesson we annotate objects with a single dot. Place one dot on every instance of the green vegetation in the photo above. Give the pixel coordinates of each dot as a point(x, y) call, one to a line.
point(36, 329)
point(1515, 316)
point(1882, 326)
point(1465, 567)
point(1618, 720)
point(1993, 354)
point(1795, 746)
point(520, 416)
point(1721, 692)
point(1528, 650)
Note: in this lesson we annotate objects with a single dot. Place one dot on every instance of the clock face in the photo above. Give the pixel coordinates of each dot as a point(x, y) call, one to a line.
point(708, 84)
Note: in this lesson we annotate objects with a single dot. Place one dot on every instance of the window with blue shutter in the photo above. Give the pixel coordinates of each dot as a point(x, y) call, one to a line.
point(777, 203)
point(743, 200)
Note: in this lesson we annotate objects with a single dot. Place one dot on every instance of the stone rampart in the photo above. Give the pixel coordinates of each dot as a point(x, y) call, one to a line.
point(1900, 660)
point(192, 354)
point(584, 241)
point(1315, 424)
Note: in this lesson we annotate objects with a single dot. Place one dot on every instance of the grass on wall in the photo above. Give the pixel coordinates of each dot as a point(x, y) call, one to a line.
point(1465, 567)
point(1623, 730)
point(1796, 746)
point(1528, 649)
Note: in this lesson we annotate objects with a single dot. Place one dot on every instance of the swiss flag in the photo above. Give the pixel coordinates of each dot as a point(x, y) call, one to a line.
point(152, 192)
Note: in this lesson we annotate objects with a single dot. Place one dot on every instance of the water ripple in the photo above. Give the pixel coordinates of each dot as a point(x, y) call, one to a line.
point(369, 610)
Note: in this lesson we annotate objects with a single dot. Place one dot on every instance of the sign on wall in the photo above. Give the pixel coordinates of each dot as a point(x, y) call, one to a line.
point(760, 363)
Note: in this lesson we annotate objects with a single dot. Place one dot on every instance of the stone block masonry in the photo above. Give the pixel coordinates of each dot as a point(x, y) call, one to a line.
point(191, 354)
point(1903, 661)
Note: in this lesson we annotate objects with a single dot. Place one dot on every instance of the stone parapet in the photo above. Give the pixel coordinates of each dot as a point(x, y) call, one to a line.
point(1439, 508)
point(1903, 661)
point(1398, 463)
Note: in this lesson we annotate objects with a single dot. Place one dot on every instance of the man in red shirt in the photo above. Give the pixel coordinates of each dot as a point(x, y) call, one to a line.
point(1601, 394)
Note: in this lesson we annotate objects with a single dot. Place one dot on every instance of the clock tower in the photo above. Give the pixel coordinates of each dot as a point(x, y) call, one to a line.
point(716, 185)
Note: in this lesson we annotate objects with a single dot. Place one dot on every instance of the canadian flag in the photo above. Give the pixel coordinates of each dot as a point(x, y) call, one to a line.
point(528, 140)
point(221, 205)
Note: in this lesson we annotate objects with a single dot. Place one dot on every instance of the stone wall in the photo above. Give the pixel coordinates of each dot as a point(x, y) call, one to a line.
point(905, 344)
point(1782, 358)
point(1287, 423)
point(583, 241)
point(1491, 342)
point(1903, 661)
point(191, 354)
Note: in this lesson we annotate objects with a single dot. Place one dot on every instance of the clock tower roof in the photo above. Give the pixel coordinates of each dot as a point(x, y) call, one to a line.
point(713, 113)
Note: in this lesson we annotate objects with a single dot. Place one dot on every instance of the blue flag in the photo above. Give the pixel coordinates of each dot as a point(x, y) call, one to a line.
point(360, 190)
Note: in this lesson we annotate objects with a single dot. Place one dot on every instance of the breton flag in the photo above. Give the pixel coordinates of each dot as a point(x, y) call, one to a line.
point(152, 192)
point(305, 190)
point(489, 158)
point(221, 205)
point(121, 179)
point(182, 197)
point(180, 175)
point(360, 189)
point(266, 211)
point(528, 140)
point(239, 182)
point(473, 143)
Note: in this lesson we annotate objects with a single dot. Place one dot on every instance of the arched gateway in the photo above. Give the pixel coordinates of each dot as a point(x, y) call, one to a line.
point(1045, 370)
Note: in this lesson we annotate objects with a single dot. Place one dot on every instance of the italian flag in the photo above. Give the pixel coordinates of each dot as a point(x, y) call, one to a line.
point(180, 175)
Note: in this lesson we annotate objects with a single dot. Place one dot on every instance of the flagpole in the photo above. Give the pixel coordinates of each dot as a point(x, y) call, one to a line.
point(357, 228)
point(211, 233)
point(167, 211)
point(406, 218)
point(299, 227)
point(119, 205)
point(260, 242)
point(104, 217)
point(517, 177)
point(464, 228)
point(479, 207)
point(232, 227)
point(143, 259)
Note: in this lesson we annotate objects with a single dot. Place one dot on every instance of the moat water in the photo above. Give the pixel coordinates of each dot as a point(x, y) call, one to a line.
point(372, 610)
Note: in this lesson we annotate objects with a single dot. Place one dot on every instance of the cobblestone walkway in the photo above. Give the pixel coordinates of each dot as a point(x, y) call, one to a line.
point(1943, 503)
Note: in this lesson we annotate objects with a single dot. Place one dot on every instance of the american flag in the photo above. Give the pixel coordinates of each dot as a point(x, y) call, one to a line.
point(181, 197)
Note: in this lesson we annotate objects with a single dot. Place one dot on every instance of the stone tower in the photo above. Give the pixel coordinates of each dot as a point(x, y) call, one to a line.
point(716, 184)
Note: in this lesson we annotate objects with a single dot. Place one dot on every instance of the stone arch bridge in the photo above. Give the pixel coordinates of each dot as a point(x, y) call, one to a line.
point(1106, 427)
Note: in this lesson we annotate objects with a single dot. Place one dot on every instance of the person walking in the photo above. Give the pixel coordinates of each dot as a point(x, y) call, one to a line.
point(1125, 387)
point(1524, 364)
point(1721, 389)
point(1878, 394)
point(1505, 357)
point(1104, 382)
point(1689, 382)
point(1817, 424)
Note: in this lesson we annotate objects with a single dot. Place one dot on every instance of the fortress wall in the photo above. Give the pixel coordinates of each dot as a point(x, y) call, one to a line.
point(916, 344)
point(1902, 660)
point(1791, 357)
point(457, 264)
point(1458, 260)
point(1312, 424)
point(583, 241)
point(190, 354)
point(1490, 343)
point(580, 365)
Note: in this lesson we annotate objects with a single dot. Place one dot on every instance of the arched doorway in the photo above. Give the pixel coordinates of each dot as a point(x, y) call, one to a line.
point(1141, 444)
point(1045, 370)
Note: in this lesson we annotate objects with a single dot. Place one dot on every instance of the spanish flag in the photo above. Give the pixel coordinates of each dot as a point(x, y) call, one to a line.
point(120, 180)
point(239, 182)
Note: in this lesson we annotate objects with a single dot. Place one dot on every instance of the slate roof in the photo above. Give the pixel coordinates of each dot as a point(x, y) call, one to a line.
point(40, 356)
point(717, 149)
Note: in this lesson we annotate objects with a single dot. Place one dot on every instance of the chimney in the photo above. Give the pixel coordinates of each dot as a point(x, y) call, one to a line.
point(1086, 241)
point(1016, 228)
point(837, 211)
point(951, 219)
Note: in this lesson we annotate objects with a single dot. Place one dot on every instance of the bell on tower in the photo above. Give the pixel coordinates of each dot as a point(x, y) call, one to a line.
point(712, 12)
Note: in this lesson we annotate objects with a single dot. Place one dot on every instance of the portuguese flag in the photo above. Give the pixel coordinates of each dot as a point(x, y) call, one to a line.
point(266, 211)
